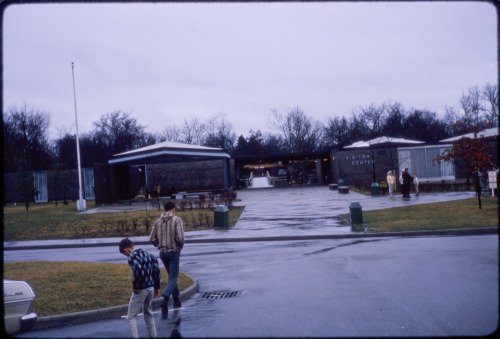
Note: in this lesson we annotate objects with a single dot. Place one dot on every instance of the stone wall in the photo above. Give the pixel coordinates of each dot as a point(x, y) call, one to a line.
point(187, 176)
point(356, 166)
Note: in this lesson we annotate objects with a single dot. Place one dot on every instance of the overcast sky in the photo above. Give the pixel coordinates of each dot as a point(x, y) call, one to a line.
point(166, 62)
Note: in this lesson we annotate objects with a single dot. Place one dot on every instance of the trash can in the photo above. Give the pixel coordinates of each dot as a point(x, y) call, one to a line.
point(341, 182)
point(375, 189)
point(221, 216)
point(356, 213)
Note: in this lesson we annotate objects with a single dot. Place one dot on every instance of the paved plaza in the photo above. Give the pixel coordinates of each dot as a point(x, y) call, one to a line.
point(275, 212)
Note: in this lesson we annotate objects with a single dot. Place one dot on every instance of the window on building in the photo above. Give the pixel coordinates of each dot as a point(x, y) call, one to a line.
point(40, 183)
point(88, 179)
point(419, 160)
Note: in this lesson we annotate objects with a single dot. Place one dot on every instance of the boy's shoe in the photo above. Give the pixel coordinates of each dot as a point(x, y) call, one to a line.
point(164, 305)
point(177, 302)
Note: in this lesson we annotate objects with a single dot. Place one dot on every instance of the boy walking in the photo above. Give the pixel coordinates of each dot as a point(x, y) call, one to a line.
point(146, 279)
point(168, 235)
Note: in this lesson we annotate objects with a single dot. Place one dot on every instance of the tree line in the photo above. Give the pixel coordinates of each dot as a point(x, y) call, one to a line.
point(27, 145)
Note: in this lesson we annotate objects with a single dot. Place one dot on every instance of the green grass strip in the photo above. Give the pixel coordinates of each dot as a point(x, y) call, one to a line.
point(65, 287)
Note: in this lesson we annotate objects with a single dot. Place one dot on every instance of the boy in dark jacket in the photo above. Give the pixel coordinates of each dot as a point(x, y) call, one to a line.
point(145, 286)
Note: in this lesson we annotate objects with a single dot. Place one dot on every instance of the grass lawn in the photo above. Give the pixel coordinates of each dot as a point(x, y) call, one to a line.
point(65, 287)
point(444, 215)
point(46, 221)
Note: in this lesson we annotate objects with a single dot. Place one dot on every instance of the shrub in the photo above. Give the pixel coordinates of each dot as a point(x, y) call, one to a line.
point(147, 223)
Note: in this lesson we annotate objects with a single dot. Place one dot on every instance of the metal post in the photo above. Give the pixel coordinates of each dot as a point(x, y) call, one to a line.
point(81, 203)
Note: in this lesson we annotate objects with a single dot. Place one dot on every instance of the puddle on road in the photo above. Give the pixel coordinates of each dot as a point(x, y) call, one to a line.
point(206, 253)
point(354, 242)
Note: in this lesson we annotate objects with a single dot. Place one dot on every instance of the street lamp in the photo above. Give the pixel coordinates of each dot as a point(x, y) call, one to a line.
point(81, 204)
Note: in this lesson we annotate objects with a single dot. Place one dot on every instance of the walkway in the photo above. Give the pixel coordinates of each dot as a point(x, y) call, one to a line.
point(308, 211)
point(260, 182)
point(278, 212)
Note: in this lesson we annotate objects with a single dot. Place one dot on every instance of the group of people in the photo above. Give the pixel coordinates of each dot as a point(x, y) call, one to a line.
point(155, 191)
point(168, 236)
point(406, 181)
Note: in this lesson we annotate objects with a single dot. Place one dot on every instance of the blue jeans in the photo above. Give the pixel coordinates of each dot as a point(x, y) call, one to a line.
point(171, 262)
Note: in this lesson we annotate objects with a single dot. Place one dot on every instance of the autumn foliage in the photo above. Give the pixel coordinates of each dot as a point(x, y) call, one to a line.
point(472, 155)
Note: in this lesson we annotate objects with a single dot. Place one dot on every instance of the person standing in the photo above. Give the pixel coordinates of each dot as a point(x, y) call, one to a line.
point(407, 179)
point(168, 235)
point(391, 180)
point(146, 279)
point(415, 184)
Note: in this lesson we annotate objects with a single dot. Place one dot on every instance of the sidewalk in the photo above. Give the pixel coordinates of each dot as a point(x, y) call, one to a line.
point(300, 213)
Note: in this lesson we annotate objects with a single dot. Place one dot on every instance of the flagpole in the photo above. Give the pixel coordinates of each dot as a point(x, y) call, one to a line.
point(81, 203)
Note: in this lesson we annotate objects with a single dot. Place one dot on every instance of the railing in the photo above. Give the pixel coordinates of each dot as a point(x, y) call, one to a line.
point(269, 178)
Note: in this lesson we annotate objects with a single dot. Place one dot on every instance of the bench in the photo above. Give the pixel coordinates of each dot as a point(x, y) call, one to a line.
point(334, 187)
point(343, 189)
point(180, 195)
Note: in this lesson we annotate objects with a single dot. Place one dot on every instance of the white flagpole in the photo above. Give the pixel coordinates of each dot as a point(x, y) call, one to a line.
point(81, 203)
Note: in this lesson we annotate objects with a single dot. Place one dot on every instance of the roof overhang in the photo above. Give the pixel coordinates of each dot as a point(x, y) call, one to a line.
point(487, 133)
point(169, 148)
point(384, 141)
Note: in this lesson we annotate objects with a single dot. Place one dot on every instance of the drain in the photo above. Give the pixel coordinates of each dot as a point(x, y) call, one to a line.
point(219, 295)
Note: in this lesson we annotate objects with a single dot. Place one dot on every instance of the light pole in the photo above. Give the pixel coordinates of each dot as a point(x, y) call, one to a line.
point(81, 204)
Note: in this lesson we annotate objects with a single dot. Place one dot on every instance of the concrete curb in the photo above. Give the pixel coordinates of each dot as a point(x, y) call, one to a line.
point(75, 318)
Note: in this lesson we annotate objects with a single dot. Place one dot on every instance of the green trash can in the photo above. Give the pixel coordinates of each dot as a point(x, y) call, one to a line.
point(375, 189)
point(221, 216)
point(340, 182)
point(356, 213)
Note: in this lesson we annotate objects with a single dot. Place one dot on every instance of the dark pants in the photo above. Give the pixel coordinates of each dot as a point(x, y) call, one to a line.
point(171, 262)
point(406, 189)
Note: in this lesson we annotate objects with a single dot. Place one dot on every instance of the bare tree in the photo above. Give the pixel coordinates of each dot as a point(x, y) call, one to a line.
point(374, 118)
point(26, 147)
point(490, 95)
point(170, 133)
point(394, 120)
point(451, 119)
point(118, 132)
point(424, 126)
point(273, 143)
point(26, 139)
point(193, 132)
point(472, 107)
point(337, 132)
point(219, 132)
point(301, 134)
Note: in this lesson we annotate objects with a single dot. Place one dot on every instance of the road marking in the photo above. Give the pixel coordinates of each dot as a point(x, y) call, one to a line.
point(156, 312)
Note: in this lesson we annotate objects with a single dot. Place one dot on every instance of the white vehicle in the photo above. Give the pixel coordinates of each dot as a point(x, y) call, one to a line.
point(18, 297)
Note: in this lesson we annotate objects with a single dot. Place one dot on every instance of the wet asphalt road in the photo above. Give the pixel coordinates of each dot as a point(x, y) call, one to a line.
point(419, 286)
point(428, 286)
